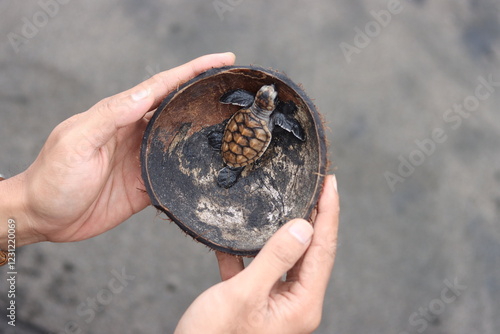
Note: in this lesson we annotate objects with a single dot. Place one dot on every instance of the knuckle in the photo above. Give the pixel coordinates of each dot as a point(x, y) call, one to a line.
point(62, 130)
point(323, 253)
point(105, 104)
point(162, 80)
point(106, 109)
point(110, 105)
point(67, 123)
point(158, 77)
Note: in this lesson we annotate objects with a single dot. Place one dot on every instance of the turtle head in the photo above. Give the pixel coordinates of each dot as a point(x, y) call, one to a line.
point(265, 98)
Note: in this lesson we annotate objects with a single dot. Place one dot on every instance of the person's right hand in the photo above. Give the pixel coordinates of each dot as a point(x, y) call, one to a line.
point(255, 299)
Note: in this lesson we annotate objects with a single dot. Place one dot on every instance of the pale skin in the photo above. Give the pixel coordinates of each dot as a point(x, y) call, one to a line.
point(86, 180)
point(255, 299)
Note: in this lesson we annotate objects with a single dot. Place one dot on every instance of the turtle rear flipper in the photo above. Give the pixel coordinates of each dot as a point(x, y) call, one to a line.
point(289, 124)
point(228, 176)
point(215, 139)
point(239, 97)
point(215, 136)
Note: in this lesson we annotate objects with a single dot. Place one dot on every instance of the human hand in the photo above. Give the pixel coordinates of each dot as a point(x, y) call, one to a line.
point(87, 179)
point(255, 299)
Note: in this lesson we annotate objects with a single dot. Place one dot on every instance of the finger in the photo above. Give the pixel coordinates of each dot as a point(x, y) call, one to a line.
point(293, 274)
point(319, 259)
point(149, 115)
point(163, 83)
point(229, 265)
point(103, 120)
point(279, 255)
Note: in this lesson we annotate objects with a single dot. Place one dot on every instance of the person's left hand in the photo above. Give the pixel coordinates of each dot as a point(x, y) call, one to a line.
point(87, 179)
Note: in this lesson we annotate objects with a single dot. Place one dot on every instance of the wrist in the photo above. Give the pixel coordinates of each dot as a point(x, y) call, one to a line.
point(14, 215)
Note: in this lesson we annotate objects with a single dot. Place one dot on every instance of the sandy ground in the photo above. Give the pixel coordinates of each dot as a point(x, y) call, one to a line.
point(414, 132)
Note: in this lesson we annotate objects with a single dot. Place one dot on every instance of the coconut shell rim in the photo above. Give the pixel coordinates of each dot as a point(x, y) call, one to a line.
point(321, 140)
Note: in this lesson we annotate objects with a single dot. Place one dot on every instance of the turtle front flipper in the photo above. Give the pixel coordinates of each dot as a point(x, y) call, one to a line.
point(239, 97)
point(289, 124)
point(228, 176)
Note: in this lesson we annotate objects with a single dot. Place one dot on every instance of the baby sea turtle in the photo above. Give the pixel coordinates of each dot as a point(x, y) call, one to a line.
point(248, 132)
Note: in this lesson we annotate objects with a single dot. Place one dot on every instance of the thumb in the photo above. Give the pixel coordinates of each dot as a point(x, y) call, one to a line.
point(280, 254)
point(102, 121)
point(110, 114)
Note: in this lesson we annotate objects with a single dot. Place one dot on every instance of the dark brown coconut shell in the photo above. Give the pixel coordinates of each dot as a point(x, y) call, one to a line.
point(180, 168)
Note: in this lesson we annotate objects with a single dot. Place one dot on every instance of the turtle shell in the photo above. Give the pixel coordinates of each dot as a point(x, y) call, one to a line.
point(180, 168)
point(245, 139)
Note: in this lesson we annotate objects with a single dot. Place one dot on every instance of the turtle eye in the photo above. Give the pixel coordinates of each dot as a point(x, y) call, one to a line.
point(274, 94)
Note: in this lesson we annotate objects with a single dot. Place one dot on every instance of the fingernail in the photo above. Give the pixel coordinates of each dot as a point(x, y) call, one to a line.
point(140, 95)
point(334, 181)
point(230, 54)
point(301, 230)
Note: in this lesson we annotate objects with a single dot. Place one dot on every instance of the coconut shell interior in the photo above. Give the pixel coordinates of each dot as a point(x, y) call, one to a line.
point(180, 168)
